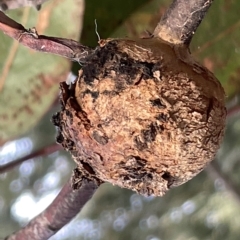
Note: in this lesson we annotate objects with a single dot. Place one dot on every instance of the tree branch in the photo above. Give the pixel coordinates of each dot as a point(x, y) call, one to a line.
point(60, 46)
point(65, 207)
point(41, 152)
point(181, 20)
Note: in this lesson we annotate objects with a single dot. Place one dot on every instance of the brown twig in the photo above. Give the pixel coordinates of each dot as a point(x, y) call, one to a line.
point(65, 206)
point(60, 46)
point(181, 20)
point(43, 151)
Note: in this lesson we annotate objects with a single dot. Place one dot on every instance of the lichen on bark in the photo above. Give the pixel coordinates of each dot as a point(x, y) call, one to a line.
point(140, 116)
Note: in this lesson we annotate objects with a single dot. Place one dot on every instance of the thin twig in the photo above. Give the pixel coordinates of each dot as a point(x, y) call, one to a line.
point(233, 111)
point(65, 207)
point(60, 46)
point(214, 171)
point(41, 152)
point(181, 20)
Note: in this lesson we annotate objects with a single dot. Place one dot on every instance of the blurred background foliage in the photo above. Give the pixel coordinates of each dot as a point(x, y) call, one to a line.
point(206, 207)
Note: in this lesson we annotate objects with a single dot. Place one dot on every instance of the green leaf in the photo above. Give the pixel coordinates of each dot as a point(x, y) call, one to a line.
point(28, 79)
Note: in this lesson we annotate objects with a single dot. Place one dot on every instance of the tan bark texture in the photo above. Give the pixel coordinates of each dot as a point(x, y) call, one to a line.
point(142, 115)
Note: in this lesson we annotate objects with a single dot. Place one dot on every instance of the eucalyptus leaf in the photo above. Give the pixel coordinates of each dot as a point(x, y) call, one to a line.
point(29, 80)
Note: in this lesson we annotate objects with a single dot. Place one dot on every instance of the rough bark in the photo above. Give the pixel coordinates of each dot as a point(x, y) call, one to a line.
point(181, 20)
point(142, 115)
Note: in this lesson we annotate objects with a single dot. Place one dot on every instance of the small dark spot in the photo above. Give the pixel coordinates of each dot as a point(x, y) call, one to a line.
point(210, 107)
point(139, 80)
point(69, 144)
point(56, 119)
point(94, 95)
point(169, 178)
point(99, 138)
point(59, 138)
point(140, 145)
point(68, 113)
point(140, 161)
point(149, 135)
point(88, 168)
point(99, 156)
point(149, 176)
point(157, 103)
point(126, 178)
point(89, 73)
point(161, 127)
point(128, 66)
point(147, 70)
point(76, 184)
point(71, 88)
point(38, 7)
point(162, 117)
point(168, 136)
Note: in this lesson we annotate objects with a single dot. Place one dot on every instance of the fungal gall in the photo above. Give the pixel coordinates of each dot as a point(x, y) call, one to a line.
point(142, 115)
